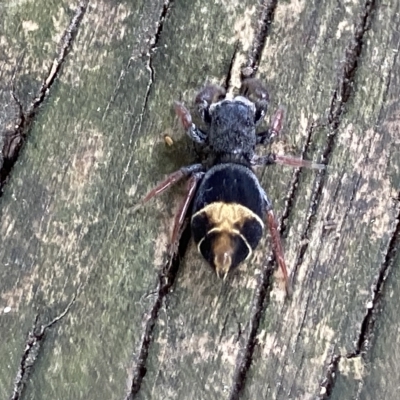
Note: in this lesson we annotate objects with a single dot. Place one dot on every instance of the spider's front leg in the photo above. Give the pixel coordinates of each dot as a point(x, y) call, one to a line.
point(195, 133)
point(257, 93)
point(275, 128)
point(208, 95)
point(273, 131)
point(267, 136)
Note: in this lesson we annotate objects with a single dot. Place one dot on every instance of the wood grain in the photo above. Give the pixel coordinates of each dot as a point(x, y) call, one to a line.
point(136, 324)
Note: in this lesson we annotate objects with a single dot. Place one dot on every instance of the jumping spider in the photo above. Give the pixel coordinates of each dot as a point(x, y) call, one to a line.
point(228, 206)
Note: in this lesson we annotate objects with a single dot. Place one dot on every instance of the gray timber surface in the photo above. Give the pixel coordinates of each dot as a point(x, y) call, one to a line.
point(91, 306)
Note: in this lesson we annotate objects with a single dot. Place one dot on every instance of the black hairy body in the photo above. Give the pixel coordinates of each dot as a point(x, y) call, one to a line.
point(228, 207)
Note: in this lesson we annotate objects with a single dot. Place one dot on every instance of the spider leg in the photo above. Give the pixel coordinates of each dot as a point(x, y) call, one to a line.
point(169, 181)
point(277, 247)
point(268, 135)
point(182, 210)
point(256, 92)
point(294, 162)
point(208, 95)
point(297, 162)
point(195, 133)
point(275, 128)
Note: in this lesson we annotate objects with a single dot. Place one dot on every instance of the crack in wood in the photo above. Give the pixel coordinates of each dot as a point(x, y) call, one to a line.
point(339, 100)
point(368, 322)
point(140, 52)
point(328, 383)
point(294, 188)
point(33, 344)
point(340, 97)
point(15, 140)
point(345, 86)
point(373, 306)
point(245, 355)
point(264, 21)
point(166, 279)
point(264, 287)
point(228, 78)
point(366, 331)
point(154, 42)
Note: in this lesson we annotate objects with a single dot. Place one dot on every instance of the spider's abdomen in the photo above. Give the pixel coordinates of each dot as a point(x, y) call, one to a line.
point(227, 217)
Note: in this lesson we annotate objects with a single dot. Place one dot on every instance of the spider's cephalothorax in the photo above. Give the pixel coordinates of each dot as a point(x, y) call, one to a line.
point(228, 205)
point(232, 133)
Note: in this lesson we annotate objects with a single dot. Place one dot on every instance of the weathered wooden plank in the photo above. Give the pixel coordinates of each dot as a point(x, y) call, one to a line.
point(87, 156)
point(302, 345)
point(27, 51)
point(375, 375)
point(97, 146)
point(372, 373)
point(200, 331)
point(66, 230)
point(187, 358)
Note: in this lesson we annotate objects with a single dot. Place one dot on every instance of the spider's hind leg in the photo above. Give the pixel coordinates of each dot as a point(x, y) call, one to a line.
point(182, 210)
point(277, 244)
